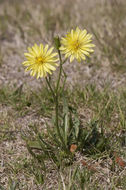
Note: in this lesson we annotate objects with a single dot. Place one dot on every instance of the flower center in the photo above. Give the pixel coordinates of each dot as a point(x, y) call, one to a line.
point(39, 60)
point(76, 45)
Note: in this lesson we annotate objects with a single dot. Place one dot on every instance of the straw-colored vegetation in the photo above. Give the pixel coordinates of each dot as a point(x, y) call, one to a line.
point(30, 155)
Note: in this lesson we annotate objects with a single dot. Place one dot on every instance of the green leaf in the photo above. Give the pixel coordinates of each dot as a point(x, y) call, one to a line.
point(12, 185)
point(34, 145)
point(76, 125)
point(66, 120)
point(2, 188)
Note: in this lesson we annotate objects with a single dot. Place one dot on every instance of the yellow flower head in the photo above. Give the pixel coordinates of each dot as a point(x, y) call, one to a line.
point(77, 44)
point(40, 60)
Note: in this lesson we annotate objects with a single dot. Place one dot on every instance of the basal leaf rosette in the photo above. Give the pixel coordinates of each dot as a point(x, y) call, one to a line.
point(40, 60)
point(77, 45)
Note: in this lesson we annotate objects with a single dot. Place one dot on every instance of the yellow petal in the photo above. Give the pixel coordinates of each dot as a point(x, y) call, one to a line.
point(71, 58)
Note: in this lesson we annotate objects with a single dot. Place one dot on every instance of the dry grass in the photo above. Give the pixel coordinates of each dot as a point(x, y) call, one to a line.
point(23, 23)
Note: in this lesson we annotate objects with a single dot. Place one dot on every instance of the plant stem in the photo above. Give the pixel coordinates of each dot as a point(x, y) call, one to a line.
point(60, 72)
point(65, 77)
point(48, 83)
point(57, 101)
point(55, 97)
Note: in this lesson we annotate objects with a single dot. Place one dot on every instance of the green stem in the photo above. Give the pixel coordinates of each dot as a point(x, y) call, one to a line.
point(65, 77)
point(64, 61)
point(57, 101)
point(48, 83)
point(55, 97)
point(57, 121)
point(60, 72)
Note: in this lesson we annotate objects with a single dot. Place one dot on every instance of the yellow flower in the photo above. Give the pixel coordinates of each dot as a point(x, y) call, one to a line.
point(40, 60)
point(76, 44)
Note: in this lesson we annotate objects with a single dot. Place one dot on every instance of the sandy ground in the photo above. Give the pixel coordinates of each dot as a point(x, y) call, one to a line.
point(23, 23)
point(17, 33)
